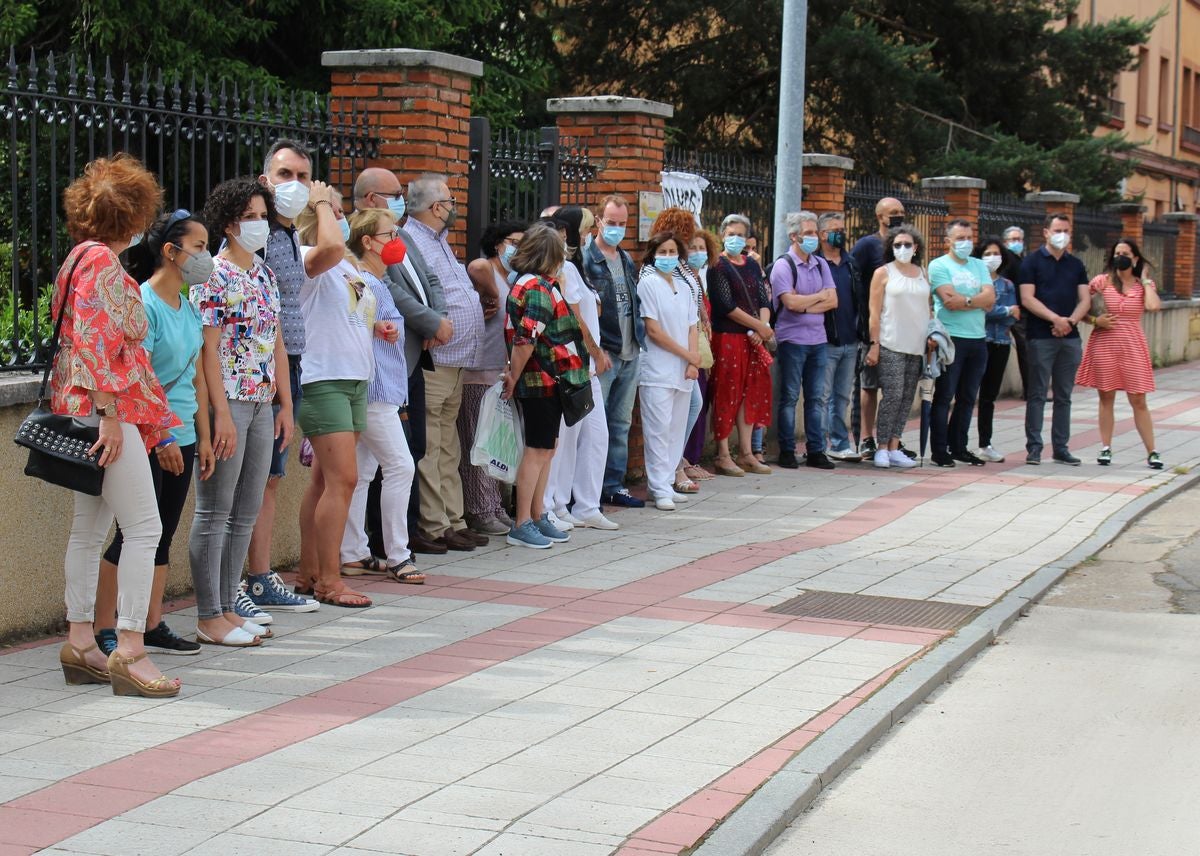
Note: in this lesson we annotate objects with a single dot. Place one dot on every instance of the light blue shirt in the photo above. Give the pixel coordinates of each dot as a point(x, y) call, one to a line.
point(389, 380)
point(173, 341)
point(968, 279)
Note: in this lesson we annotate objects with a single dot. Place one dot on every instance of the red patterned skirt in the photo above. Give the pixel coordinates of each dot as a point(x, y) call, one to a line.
point(741, 374)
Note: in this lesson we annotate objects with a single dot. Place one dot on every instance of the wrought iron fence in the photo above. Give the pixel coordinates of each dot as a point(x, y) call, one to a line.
point(192, 134)
point(1158, 248)
point(1092, 233)
point(737, 184)
point(515, 175)
point(922, 207)
point(998, 211)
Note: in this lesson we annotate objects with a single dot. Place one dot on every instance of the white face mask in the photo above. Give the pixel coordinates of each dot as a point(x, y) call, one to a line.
point(290, 198)
point(253, 234)
point(992, 262)
point(1059, 240)
point(903, 254)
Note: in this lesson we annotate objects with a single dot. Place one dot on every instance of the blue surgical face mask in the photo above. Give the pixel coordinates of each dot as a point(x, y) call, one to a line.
point(734, 244)
point(397, 207)
point(506, 256)
point(666, 264)
point(1017, 247)
point(345, 227)
point(697, 260)
point(136, 239)
point(809, 244)
point(962, 249)
point(613, 235)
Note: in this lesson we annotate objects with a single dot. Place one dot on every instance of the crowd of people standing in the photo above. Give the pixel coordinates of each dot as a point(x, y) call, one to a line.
point(201, 345)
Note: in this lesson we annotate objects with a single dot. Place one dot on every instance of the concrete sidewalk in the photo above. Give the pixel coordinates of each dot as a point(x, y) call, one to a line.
point(622, 693)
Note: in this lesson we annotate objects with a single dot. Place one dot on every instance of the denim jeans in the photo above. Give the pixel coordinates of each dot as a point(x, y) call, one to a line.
point(839, 385)
point(959, 382)
point(801, 366)
point(619, 385)
point(1052, 360)
point(227, 505)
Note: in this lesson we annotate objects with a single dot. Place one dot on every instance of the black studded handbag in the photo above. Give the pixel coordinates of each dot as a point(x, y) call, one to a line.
point(58, 445)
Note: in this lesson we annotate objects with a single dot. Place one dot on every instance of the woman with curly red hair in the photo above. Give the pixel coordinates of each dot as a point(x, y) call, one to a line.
point(102, 375)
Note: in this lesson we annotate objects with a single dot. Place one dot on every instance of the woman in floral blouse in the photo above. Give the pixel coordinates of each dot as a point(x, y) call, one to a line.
point(102, 374)
point(239, 306)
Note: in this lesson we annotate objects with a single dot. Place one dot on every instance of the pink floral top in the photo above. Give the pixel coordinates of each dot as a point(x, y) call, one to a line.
point(100, 347)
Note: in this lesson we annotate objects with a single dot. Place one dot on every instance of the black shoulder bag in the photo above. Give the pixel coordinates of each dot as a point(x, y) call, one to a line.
point(58, 445)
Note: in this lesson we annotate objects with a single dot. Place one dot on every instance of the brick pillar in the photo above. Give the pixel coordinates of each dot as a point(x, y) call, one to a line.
point(825, 182)
point(962, 200)
point(419, 104)
point(1133, 218)
point(1056, 202)
point(1185, 251)
point(626, 136)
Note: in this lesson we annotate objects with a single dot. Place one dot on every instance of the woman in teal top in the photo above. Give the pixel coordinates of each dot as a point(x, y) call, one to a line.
point(175, 256)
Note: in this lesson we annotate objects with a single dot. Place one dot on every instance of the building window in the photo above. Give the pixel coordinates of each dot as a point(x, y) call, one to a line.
point(1143, 86)
point(1166, 121)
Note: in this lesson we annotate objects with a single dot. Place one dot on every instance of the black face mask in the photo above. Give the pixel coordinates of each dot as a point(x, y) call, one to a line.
point(895, 220)
point(836, 239)
point(1122, 262)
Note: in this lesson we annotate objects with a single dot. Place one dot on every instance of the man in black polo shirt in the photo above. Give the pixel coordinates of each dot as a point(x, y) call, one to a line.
point(1054, 293)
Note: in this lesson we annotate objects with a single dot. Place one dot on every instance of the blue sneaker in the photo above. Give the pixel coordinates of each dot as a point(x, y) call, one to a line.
point(551, 531)
point(622, 499)
point(106, 641)
point(269, 593)
point(245, 608)
point(527, 535)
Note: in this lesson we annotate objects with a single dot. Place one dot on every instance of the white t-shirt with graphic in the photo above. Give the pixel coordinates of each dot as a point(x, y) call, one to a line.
point(339, 320)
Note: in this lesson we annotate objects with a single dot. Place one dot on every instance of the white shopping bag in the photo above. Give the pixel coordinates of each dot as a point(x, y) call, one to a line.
point(499, 437)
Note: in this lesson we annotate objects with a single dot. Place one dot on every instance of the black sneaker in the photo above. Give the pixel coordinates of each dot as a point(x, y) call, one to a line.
point(967, 457)
point(818, 461)
point(1066, 458)
point(106, 641)
point(623, 499)
point(163, 640)
point(942, 459)
point(788, 461)
point(867, 447)
point(912, 456)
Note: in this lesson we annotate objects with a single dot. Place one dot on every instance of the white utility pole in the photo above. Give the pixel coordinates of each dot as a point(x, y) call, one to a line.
point(788, 168)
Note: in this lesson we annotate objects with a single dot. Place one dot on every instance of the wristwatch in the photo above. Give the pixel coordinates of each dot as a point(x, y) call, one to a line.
point(109, 409)
point(968, 301)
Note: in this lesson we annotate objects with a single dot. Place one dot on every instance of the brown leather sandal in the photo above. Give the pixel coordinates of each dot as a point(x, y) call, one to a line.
point(76, 668)
point(125, 684)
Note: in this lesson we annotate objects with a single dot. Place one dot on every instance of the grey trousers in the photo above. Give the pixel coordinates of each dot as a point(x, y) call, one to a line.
point(1054, 361)
point(226, 507)
point(898, 377)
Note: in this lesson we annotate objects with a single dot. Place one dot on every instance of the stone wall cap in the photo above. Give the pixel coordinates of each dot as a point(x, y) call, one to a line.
point(1182, 216)
point(953, 182)
point(1126, 207)
point(19, 389)
point(402, 58)
point(609, 104)
point(832, 161)
point(1052, 196)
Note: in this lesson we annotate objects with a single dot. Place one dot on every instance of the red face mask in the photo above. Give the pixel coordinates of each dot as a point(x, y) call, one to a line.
point(393, 252)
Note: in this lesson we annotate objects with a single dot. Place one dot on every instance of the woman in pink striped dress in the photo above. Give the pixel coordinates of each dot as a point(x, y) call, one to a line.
point(1117, 357)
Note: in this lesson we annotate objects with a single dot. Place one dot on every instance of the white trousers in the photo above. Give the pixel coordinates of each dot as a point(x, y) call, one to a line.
point(578, 465)
point(382, 445)
point(128, 495)
point(664, 426)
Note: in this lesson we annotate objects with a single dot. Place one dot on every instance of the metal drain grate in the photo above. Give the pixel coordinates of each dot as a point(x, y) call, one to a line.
point(871, 609)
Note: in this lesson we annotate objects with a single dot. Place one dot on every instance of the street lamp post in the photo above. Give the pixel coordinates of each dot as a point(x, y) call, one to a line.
point(788, 168)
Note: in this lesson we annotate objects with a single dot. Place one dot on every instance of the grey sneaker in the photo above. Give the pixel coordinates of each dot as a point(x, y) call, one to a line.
point(527, 535)
point(989, 453)
point(489, 526)
point(549, 530)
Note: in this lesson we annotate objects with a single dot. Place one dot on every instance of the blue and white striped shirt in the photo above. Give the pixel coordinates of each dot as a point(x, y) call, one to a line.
point(389, 380)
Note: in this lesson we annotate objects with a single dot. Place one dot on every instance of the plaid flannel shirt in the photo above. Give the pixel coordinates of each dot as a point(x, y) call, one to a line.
point(539, 316)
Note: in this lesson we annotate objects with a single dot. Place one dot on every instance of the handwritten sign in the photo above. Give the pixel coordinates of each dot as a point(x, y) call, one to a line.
point(684, 190)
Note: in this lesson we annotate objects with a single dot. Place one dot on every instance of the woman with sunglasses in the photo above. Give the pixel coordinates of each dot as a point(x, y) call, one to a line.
point(900, 316)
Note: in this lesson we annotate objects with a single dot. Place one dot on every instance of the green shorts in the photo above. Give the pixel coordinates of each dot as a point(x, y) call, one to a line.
point(330, 406)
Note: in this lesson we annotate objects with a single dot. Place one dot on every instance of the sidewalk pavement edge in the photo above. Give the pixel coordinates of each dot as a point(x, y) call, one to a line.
point(758, 821)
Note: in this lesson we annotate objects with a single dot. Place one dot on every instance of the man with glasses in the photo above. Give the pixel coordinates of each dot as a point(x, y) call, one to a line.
point(611, 272)
point(432, 214)
point(417, 293)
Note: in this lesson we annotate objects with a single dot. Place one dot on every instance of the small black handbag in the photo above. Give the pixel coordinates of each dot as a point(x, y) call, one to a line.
point(576, 402)
point(58, 445)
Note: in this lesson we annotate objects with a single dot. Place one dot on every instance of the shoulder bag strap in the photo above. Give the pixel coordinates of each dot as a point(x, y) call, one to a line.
point(62, 311)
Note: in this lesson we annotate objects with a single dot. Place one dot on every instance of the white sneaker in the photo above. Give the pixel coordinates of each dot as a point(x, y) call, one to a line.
point(680, 497)
point(844, 455)
point(989, 453)
point(898, 459)
point(558, 523)
point(568, 518)
point(882, 459)
point(664, 505)
point(596, 521)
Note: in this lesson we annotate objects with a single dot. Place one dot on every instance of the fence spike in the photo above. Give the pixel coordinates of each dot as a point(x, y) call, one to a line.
point(126, 87)
point(251, 105)
point(160, 91)
point(72, 76)
point(177, 93)
point(207, 96)
point(293, 117)
point(279, 107)
point(51, 76)
point(192, 94)
point(89, 80)
point(237, 102)
point(144, 96)
point(33, 72)
point(222, 100)
point(110, 84)
point(12, 67)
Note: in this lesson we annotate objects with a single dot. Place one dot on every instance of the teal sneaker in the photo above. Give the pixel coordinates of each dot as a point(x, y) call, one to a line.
point(549, 530)
point(528, 535)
